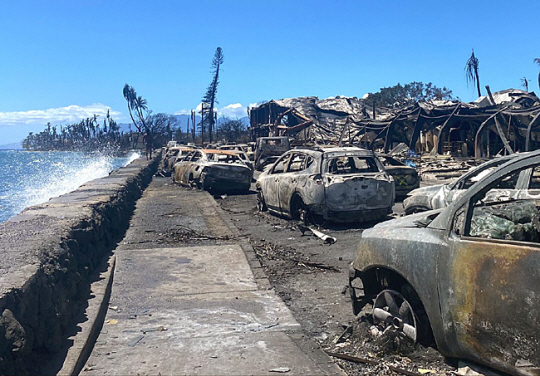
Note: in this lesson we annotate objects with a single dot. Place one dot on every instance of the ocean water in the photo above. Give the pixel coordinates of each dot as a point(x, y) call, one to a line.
point(30, 178)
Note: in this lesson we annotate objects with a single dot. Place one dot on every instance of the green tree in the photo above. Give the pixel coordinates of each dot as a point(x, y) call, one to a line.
point(399, 96)
point(232, 130)
point(161, 126)
point(471, 72)
point(137, 108)
point(209, 98)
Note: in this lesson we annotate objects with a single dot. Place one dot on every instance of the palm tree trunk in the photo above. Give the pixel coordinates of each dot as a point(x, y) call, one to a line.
point(477, 81)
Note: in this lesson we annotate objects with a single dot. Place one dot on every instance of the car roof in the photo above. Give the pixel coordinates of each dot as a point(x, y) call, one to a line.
point(481, 167)
point(337, 150)
point(216, 151)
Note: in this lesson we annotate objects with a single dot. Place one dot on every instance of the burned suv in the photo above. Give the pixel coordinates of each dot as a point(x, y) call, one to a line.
point(341, 184)
point(466, 276)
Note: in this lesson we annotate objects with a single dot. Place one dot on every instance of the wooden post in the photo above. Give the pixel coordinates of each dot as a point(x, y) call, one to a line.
point(490, 96)
point(202, 124)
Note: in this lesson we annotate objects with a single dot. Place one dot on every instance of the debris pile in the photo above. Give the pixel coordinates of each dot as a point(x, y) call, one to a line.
point(383, 352)
point(506, 121)
point(267, 251)
point(184, 234)
point(442, 169)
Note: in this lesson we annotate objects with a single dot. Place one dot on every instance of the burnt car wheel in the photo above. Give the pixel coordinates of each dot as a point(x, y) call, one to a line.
point(261, 204)
point(201, 182)
point(392, 310)
point(297, 208)
point(192, 183)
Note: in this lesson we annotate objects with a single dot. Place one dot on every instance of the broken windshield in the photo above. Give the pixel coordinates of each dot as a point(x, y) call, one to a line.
point(224, 158)
point(352, 165)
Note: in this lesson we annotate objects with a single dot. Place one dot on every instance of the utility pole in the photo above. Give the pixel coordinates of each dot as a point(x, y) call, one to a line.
point(202, 123)
point(193, 124)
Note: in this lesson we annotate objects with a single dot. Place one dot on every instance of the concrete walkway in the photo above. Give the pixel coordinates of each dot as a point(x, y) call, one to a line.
point(187, 298)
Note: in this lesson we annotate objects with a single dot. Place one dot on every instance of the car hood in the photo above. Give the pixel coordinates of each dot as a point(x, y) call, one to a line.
point(427, 191)
point(417, 220)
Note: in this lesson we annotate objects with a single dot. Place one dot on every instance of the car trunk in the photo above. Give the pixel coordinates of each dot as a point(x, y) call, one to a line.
point(230, 172)
point(358, 192)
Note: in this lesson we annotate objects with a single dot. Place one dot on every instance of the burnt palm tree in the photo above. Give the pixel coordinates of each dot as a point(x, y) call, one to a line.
point(537, 61)
point(471, 72)
point(525, 83)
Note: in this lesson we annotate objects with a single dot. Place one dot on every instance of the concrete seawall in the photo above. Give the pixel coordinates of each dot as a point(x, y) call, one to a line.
point(48, 255)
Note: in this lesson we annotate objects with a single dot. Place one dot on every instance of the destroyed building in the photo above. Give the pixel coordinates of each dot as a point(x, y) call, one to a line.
point(505, 122)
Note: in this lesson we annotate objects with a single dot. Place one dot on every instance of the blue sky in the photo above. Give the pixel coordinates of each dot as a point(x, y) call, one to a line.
point(64, 60)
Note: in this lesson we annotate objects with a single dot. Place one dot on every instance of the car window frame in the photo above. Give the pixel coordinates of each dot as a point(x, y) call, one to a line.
point(468, 210)
point(302, 164)
point(284, 156)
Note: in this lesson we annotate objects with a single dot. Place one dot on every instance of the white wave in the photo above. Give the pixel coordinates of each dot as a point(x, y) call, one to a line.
point(134, 155)
point(62, 179)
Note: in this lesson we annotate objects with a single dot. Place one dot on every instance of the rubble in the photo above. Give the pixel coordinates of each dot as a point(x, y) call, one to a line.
point(506, 122)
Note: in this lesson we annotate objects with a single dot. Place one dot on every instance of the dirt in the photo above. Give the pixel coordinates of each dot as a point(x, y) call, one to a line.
point(312, 279)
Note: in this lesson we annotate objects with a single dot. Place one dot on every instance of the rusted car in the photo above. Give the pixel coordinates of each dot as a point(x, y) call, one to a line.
point(344, 184)
point(173, 154)
point(269, 149)
point(247, 149)
point(213, 169)
point(466, 276)
point(406, 178)
point(441, 195)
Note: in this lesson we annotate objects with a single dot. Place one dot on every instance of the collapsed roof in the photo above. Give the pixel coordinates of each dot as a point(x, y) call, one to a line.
point(506, 121)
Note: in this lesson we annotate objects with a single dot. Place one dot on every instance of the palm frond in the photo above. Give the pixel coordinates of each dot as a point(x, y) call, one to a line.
point(471, 67)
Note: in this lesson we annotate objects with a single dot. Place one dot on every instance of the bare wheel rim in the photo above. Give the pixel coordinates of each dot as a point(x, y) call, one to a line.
point(261, 205)
point(391, 309)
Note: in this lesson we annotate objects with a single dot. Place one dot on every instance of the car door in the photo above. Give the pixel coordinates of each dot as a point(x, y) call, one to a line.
point(272, 181)
point(289, 180)
point(489, 280)
point(189, 166)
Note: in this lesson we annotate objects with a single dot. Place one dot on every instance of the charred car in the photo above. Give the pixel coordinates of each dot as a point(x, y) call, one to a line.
point(240, 147)
point(441, 195)
point(269, 149)
point(406, 178)
point(174, 154)
point(466, 276)
point(213, 169)
point(342, 184)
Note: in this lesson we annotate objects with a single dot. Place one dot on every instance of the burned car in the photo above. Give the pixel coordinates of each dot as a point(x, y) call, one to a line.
point(406, 178)
point(269, 149)
point(240, 147)
point(213, 169)
point(466, 276)
point(441, 195)
point(174, 154)
point(342, 184)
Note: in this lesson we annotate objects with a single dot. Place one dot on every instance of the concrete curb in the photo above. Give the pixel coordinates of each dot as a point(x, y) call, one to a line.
point(83, 341)
point(258, 272)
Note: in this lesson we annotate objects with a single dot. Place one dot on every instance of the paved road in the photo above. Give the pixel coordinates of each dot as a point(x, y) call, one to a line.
point(189, 297)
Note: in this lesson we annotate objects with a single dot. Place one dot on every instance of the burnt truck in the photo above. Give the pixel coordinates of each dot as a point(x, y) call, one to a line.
point(269, 149)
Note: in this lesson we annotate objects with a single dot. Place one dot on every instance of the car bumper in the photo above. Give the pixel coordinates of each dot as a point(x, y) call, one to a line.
point(226, 184)
point(344, 216)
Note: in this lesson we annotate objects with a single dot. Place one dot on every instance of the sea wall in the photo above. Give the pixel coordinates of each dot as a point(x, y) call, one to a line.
point(48, 254)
